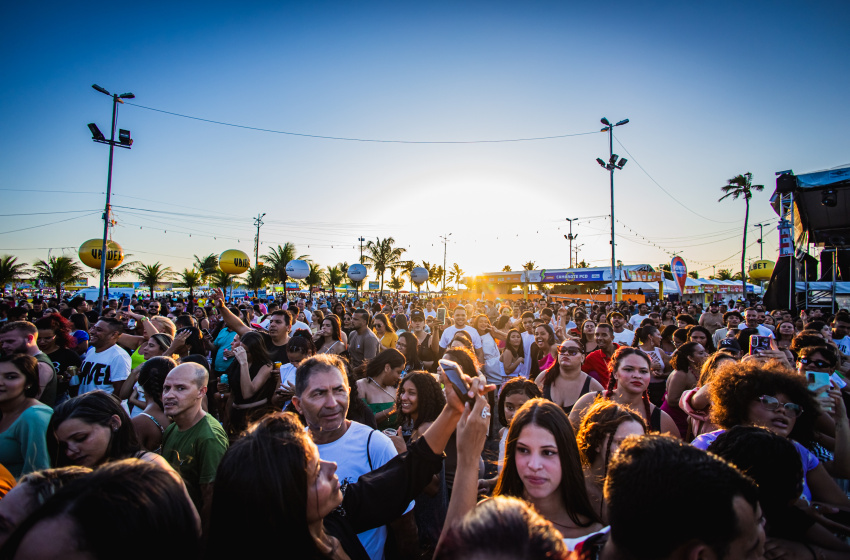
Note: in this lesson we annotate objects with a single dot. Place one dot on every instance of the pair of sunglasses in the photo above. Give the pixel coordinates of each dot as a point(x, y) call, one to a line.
point(772, 403)
point(816, 363)
point(571, 351)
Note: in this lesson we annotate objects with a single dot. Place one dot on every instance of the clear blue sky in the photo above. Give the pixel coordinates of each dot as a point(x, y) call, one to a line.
point(712, 90)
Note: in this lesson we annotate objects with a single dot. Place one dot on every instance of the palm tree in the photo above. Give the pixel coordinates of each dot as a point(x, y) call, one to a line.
point(335, 276)
point(11, 272)
point(737, 186)
point(583, 264)
point(530, 265)
point(439, 274)
point(57, 271)
point(724, 274)
point(152, 274)
point(191, 278)
point(406, 268)
point(694, 274)
point(381, 255)
point(277, 259)
point(456, 275)
point(256, 278)
point(221, 279)
point(506, 268)
point(395, 283)
point(428, 268)
point(315, 277)
point(207, 266)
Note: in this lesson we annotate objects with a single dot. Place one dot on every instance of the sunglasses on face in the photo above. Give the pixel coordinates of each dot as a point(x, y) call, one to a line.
point(772, 403)
point(817, 363)
point(569, 350)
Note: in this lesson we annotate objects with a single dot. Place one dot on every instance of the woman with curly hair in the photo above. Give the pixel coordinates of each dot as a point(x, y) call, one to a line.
point(420, 400)
point(602, 431)
point(630, 374)
point(772, 397)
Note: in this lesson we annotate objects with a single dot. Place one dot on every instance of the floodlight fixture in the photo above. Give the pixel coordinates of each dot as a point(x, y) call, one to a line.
point(96, 134)
point(127, 96)
point(622, 163)
point(613, 159)
point(602, 163)
point(605, 121)
point(124, 137)
point(622, 122)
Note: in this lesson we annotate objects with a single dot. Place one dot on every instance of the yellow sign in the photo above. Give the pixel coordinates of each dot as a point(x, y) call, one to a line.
point(234, 261)
point(761, 270)
point(90, 253)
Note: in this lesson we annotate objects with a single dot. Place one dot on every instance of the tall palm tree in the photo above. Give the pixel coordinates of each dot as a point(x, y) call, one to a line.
point(191, 278)
point(439, 275)
point(506, 268)
point(315, 277)
point(724, 274)
point(737, 186)
point(256, 278)
point(335, 276)
point(58, 271)
point(207, 266)
point(152, 274)
point(381, 255)
point(530, 265)
point(456, 275)
point(11, 272)
point(277, 259)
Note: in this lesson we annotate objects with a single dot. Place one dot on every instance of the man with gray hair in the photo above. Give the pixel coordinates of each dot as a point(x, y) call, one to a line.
point(195, 442)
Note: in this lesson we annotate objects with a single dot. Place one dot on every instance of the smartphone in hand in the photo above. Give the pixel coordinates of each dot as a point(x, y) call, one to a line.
point(452, 371)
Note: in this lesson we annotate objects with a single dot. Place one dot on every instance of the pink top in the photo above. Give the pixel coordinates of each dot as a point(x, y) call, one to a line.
point(546, 362)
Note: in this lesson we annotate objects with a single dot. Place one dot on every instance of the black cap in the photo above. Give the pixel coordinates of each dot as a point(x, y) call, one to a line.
point(417, 315)
point(730, 344)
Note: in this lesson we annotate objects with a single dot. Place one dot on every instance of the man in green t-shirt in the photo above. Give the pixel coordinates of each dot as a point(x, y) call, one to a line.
point(195, 443)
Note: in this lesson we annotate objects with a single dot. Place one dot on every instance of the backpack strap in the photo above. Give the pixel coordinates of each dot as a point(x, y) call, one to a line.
point(368, 455)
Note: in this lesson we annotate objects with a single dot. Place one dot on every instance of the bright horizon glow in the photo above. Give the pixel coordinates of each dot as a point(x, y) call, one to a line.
point(705, 100)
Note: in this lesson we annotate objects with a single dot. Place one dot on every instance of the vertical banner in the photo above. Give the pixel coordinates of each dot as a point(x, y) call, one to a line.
point(680, 273)
point(786, 249)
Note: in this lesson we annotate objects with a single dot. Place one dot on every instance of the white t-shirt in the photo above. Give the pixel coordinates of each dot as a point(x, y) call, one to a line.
point(636, 320)
point(624, 338)
point(763, 331)
point(492, 371)
point(101, 369)
point(349, 454)
point(528, 342)
point(287, 374)
point(450, 332)
point(430, 314)
point(843, 344)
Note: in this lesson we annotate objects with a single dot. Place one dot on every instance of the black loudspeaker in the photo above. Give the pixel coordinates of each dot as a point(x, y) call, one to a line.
point(826, 259)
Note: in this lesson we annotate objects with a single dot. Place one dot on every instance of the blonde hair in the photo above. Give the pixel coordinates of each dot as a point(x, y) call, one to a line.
point(164, 325)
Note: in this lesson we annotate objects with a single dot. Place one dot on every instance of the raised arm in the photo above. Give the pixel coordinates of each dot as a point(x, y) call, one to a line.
point(233, 322)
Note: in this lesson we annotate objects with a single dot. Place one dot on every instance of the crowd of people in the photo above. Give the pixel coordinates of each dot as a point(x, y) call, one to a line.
point(330, 427)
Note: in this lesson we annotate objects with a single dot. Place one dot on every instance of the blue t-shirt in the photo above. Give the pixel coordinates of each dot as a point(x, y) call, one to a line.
point(810, 462)
point(222, 342)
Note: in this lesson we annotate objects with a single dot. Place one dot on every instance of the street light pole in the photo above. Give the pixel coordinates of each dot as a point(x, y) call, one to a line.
point(761, 240)
point(570, 238)
point(445, 239)
point(98, 137)
point(361, 240)
point(258, 221)
point(611, 166)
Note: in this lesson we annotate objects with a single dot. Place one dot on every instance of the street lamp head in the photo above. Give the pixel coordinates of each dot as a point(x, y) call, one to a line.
point(605, 121)
point(96, 134)
point(127, 96)
point(622, 122)
point(100, 89)
point(613, 159)
point(622, 163)
point(599, 160)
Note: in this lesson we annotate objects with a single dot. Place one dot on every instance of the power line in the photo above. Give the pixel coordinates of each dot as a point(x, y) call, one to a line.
point(49, 191)
point(45, 213)
point(49, 224)
point(688, 208)
point(374, 140)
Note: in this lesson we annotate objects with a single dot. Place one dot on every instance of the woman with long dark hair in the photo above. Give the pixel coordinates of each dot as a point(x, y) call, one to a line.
point(150, 424)
point(513, 355)
point(379, 386)
point(588, 336)
point(687, 363)
point(56, 339)
point(543, 466)
point(384, 331)
point(630, 375)
point(329, 338)
point(23, 419)
point(251, 382)
point(408, 345)
point(564, 382)
point(648, 339)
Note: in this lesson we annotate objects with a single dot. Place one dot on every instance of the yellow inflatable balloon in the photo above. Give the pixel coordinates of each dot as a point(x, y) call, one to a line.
point(761, 270)
point(90, 253)
point(234, 261)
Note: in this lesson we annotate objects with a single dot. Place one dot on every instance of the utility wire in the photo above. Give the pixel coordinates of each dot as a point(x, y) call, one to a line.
point(375, 140)
point(683, 205)
point(49, 224)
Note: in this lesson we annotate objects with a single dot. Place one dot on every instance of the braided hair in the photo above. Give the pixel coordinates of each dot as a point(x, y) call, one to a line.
point(621, 353)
